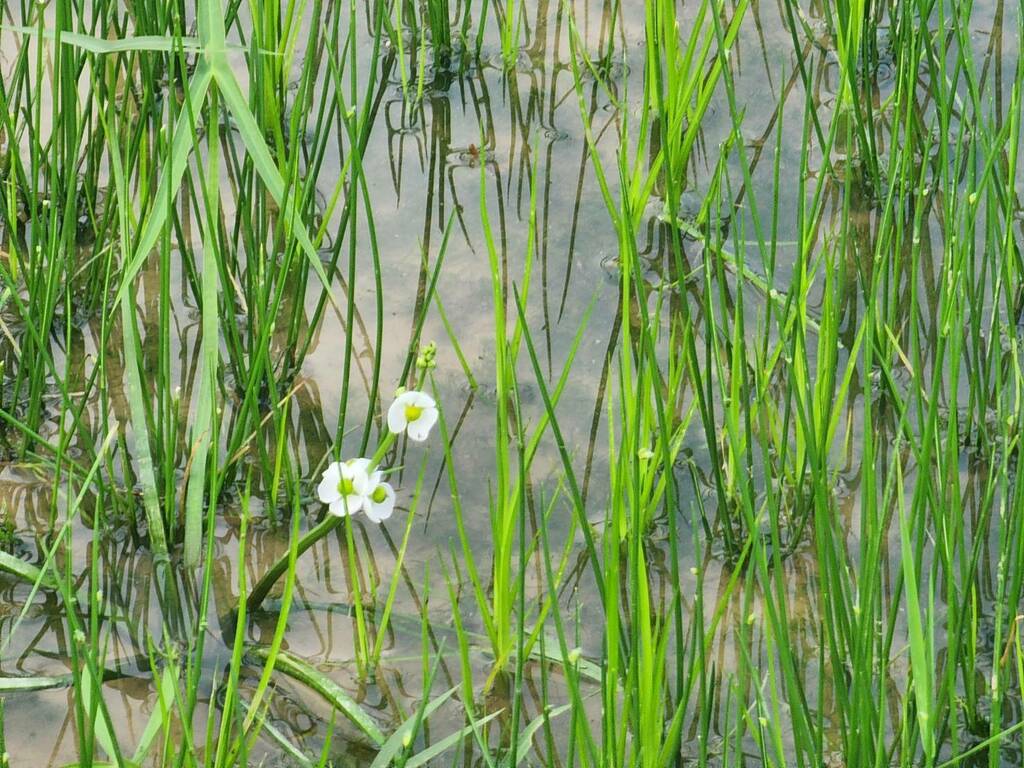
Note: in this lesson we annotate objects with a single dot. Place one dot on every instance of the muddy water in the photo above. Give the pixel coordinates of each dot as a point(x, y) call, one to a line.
point(426, 163)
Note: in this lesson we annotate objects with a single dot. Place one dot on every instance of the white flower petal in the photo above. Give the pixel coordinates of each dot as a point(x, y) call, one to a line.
point(362, 487)
point(378, 512)
point(355, 473)
point(396, 415)
point(429, 417)
point(338, 508)
point(360, 482)
point(421, 399)
point(360, 465)
point(327, 490)
point(419, 430)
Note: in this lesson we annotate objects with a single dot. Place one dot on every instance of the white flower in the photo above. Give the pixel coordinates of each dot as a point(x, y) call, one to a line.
point(414, 413)
point(380, 500)
point(345, 486)
point(349, 486)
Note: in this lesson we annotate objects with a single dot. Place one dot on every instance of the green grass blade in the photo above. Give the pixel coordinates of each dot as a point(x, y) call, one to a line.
point(26, 571)
point(442, 746)
point(99, 45)
point(263, 161)
point(391, 748)
point(182, 142)
point(157, 717)
point(332, 692)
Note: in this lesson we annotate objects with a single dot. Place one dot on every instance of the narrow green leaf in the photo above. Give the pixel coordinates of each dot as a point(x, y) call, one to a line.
point(132, 359)
point(100, 45)
point(396, 742)
point(203, 428)
point(35, 683)
point(102, 728)
point(332, 692)
point(921, 668)
point(27, 571)
point(526, 737)
point(156, 719)
point(170, 178)
point(211, 26)
point(264, 163)
point(293, 752)
point(422, 758)
point(140, 429)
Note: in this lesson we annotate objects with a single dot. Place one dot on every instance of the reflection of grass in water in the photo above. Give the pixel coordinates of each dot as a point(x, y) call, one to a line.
point(862, 337)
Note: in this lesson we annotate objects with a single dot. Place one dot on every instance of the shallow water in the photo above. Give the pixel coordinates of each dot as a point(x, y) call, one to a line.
point(426, 164)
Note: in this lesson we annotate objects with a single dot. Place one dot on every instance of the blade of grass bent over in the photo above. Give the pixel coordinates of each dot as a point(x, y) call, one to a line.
point(334, 694)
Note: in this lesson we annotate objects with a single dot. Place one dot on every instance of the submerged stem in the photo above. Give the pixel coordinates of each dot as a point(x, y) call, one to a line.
point(328, 524)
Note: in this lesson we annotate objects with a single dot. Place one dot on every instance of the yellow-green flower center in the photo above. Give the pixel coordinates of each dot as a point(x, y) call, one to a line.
point(413, 412)
point(346, 487)
point(379, 495)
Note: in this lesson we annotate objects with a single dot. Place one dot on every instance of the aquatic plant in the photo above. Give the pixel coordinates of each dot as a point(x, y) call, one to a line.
point(714, 460)
point(414, 414)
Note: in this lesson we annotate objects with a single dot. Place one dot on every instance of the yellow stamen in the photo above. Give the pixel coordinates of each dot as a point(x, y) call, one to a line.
point(379, 495)
point(413, 412)
point(345, 487)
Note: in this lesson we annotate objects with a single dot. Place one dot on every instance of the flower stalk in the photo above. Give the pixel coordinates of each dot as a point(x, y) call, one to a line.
point(262, 587)
point(357, 484)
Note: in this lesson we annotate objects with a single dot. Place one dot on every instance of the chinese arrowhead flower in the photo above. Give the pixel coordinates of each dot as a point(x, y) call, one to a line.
point(413, 413)
point(380, 500)
point(345, 486)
